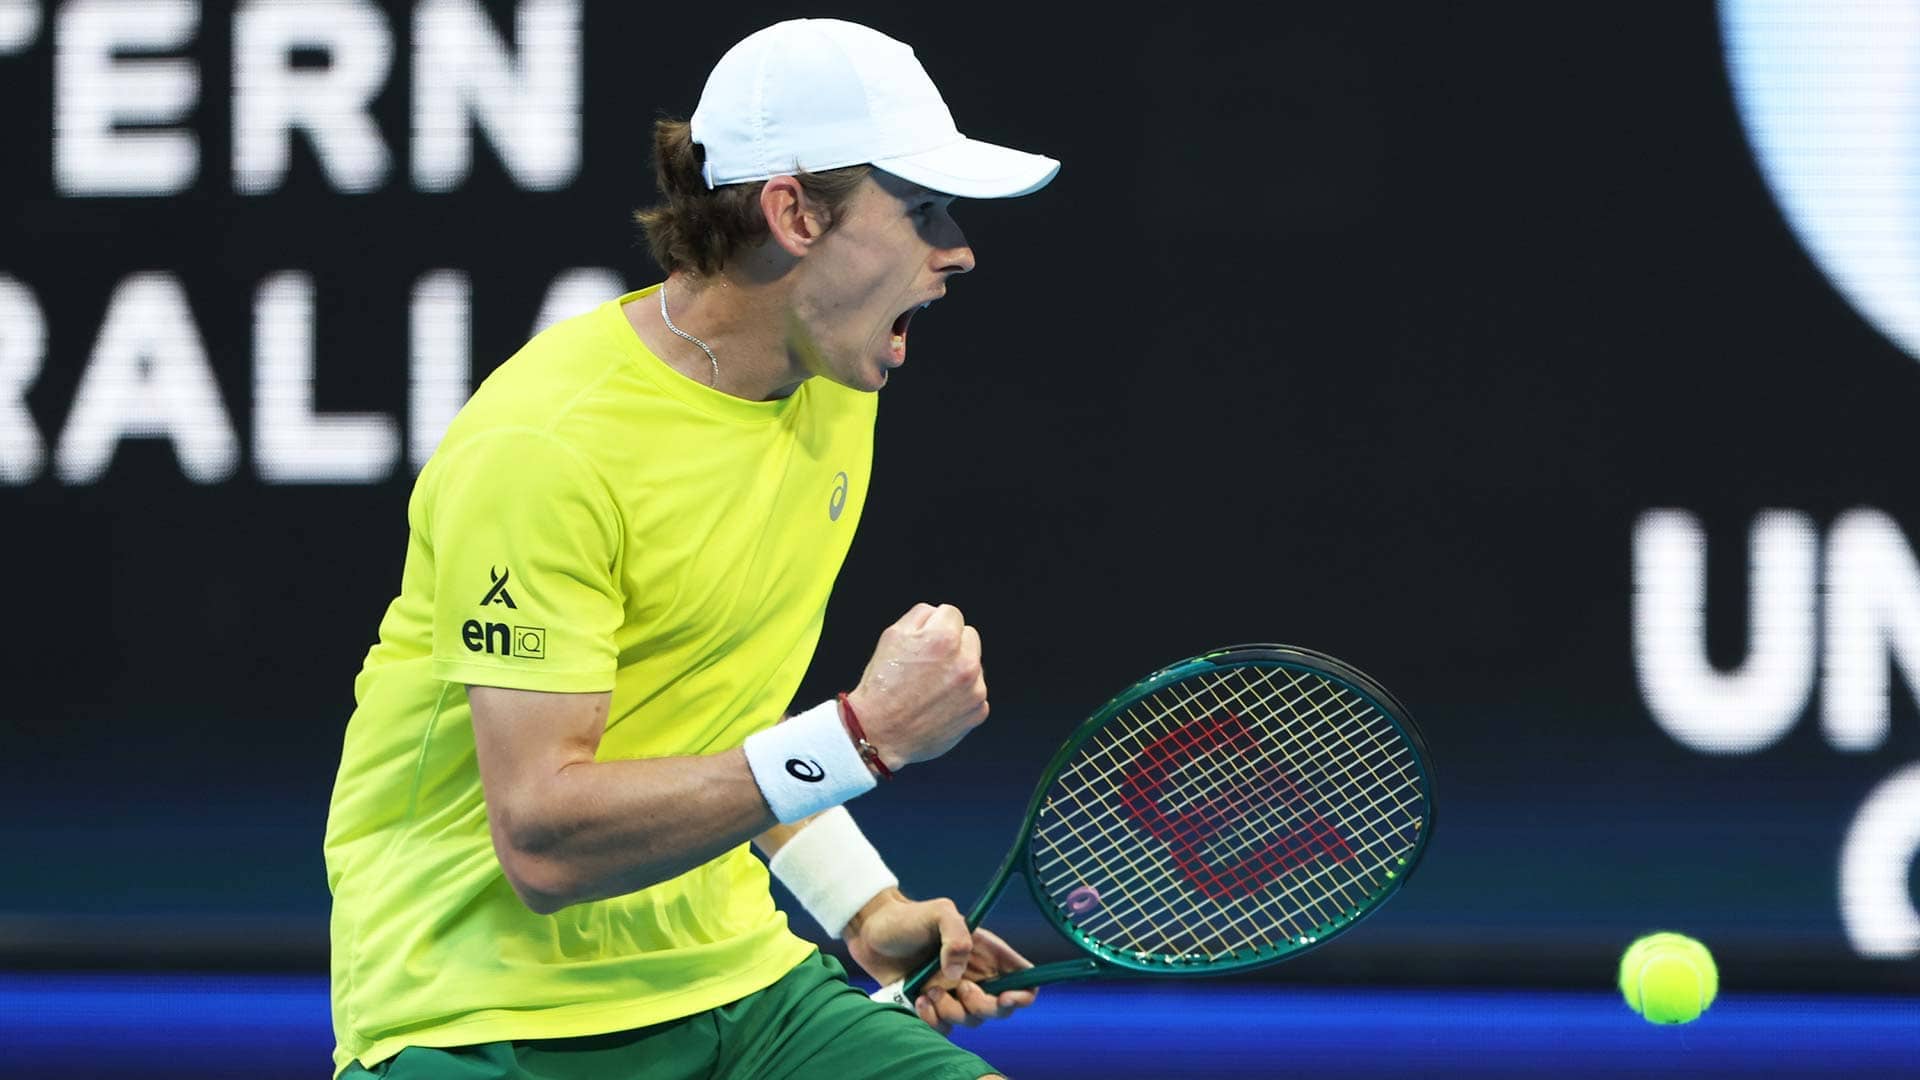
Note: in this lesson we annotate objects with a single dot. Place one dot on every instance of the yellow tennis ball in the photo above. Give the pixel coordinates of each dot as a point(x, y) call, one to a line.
point(1668, 978)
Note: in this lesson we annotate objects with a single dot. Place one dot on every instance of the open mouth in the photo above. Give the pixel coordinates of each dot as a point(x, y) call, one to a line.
point(898, 342)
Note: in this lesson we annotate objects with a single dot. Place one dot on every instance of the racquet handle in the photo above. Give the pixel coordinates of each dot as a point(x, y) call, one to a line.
point(904, 991)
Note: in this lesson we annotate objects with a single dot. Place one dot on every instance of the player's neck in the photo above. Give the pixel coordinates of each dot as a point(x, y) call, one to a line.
point(741, 322)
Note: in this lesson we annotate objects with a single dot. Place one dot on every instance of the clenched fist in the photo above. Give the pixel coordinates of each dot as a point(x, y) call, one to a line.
point(924, 688)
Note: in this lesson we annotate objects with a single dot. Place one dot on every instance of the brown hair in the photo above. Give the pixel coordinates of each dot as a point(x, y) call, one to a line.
point(699, 230)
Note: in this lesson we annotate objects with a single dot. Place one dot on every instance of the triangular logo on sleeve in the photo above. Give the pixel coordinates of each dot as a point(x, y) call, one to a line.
point(499, 594)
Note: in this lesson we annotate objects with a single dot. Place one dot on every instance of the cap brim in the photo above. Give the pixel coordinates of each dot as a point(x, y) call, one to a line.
point(971, 169)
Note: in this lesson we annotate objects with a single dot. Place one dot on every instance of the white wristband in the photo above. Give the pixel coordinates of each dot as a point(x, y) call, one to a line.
point(807, 763)
point(831, 869)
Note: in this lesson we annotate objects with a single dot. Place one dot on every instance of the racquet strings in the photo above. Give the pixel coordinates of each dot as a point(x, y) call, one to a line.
point(1237, 814)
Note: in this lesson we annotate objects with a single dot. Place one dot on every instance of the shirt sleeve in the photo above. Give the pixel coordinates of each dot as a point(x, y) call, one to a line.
point(526, 542)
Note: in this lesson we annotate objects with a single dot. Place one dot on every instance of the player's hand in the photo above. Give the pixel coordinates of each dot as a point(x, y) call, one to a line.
point(924, 689)
point(893, 936)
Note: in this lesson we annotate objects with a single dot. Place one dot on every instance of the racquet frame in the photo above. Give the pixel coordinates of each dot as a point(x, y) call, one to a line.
point(1102, 960)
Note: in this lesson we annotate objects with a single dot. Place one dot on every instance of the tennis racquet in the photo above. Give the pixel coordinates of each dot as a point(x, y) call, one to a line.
point(1226, 812)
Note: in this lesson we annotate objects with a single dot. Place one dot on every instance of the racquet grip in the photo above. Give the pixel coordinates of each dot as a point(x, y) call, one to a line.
point(903, 992)
point(906, 990)
point(894, 993)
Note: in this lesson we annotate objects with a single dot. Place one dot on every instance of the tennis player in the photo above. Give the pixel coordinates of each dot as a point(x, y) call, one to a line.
point(616, 574)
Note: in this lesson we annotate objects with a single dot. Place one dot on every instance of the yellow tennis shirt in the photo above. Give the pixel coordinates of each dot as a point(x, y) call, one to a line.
point(592, 521)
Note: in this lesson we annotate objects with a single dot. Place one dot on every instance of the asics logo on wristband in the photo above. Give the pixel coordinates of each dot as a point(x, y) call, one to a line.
point(806, 763)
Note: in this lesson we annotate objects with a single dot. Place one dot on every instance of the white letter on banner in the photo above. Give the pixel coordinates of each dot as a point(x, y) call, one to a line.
point(95, 95)
point(441, 358)
point(442, 343)
point(576, 292)
point(148, 377)
point(19, 24)
point(271, 97)
point(1706, 710)
point(529, 107)
point(1873, 608)
point(23, 351)
point(1876, 906)
point(291, 443)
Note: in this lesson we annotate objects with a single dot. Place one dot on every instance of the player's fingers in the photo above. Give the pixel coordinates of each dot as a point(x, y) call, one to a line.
point(980, 1005)
point(970, 643)
point(948, 621)
point(956, 943)
point(1011, 1000)
point(916, 616)
point(924, 1007)
point(992, 948)
point(950, 1009)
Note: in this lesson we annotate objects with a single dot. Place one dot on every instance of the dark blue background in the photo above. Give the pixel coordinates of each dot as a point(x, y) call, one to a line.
point(1371, 328)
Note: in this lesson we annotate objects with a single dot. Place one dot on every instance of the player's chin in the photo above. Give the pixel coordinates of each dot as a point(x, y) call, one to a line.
point(875, 373)
point(867, 377)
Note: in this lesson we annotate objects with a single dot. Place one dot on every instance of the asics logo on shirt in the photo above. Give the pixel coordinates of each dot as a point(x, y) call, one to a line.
point(499, 594)
point(838, 501)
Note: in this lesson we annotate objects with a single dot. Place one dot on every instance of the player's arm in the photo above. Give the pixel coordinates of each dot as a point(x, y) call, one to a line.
point(831, 868)
point(568, 828)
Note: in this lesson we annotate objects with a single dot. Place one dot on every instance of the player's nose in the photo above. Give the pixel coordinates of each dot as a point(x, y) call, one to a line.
point(957, 259)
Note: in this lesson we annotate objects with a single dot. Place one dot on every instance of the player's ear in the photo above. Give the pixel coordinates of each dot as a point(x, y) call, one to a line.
point(794, 220)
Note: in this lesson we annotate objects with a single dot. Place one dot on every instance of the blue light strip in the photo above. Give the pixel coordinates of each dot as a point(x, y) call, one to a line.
point(263, 1027)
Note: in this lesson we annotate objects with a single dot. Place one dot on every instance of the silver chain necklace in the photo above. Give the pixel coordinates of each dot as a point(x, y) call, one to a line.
point(703, 345)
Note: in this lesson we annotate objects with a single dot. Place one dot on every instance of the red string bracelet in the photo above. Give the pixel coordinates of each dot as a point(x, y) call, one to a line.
point(867, 753)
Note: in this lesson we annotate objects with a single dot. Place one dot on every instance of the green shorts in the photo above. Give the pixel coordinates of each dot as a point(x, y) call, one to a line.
point(811, 1025)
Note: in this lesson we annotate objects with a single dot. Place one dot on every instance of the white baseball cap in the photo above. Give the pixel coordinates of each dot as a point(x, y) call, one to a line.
point(819, 94)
